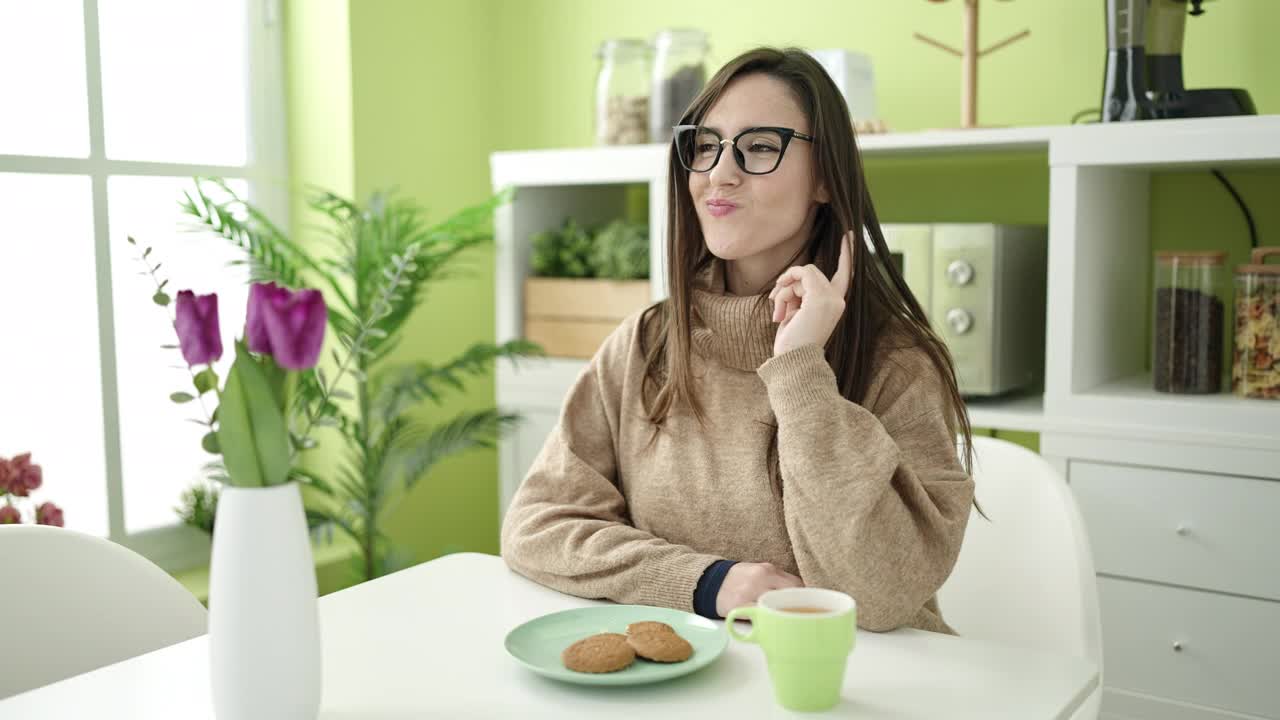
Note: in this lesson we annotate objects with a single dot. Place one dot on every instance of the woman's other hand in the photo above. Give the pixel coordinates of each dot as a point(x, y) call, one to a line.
point(808, 305)
point(746, 582)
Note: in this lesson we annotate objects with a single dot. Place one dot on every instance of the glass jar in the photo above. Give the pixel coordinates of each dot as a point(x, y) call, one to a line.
point(1189, 325)
point(679, 72)
point(1255, 365)
point(622, 92)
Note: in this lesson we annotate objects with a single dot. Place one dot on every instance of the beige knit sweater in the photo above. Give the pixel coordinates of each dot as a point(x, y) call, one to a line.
point(872, 500)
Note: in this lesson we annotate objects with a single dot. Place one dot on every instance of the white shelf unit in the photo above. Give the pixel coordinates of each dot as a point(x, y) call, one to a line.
point(1184, 477)
point(1098, 291)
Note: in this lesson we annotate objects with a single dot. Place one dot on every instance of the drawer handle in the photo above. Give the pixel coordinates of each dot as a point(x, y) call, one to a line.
point(1183, 530)
point(1177, 646)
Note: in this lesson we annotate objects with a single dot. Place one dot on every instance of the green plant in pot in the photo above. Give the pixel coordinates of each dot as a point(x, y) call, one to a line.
point(617, 251)
point(583, 282)
point(621, 251)
point(382, 257)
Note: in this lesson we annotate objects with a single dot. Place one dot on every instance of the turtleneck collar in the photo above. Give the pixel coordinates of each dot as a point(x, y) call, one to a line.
point(736, 330)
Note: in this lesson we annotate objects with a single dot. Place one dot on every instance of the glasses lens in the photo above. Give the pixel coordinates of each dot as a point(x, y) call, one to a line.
point(761, 150)
point(698, 148)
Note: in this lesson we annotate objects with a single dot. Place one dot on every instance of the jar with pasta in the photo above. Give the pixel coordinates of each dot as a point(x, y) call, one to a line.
point(1255, 361)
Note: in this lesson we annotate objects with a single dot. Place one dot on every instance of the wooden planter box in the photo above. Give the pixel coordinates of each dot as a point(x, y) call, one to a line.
point(570, 317)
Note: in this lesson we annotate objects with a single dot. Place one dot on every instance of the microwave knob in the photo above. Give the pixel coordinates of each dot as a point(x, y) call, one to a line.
point(960, 321)
point(960, 273)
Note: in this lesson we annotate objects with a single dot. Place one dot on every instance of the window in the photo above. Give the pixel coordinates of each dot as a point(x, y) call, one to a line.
point(110, 107)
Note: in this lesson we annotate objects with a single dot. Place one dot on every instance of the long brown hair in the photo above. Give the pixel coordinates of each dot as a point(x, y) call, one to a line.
point(879, 305)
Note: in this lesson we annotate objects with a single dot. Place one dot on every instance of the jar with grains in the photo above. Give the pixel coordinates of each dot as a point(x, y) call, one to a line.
point(1189, 324)
point(679, 72)
point(622, 92)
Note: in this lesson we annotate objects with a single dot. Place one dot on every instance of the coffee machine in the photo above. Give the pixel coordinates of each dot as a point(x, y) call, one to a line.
point(1143, 78)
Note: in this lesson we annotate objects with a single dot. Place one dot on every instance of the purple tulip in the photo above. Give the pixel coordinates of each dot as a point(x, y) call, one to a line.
point(49, 514)
point(197, 326)
point(255, 324)
point(7, 475)
point(288, 324)
point(9, 515)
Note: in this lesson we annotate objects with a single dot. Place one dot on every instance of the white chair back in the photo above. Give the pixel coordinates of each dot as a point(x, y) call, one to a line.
point(1025, 577)
point(73, 602)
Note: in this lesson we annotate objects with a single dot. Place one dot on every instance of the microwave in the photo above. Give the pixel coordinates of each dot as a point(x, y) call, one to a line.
point(983, 288)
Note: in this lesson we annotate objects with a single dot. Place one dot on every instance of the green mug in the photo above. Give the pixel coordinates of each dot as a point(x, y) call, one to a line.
point(807, 635)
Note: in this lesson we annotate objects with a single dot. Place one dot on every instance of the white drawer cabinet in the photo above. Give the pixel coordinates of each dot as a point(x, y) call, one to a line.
point(1197, 647)
point(536, 390)
point(1126, 705)
point(525, 444)
point(1217, 532)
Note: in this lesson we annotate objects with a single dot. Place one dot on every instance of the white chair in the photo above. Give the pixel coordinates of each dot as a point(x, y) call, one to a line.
point(73, 602)
point(1026, 576)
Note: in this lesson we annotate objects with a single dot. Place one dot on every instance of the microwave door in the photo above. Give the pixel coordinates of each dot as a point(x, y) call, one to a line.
point(911, 246)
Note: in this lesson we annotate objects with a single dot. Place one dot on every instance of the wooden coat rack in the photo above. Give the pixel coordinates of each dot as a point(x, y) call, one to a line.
point(969, 55)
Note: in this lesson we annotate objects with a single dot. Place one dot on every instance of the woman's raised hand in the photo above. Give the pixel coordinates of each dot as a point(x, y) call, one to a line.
point(808, 305)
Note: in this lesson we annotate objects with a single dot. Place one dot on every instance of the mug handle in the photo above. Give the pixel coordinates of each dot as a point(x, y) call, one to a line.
point(746, 613)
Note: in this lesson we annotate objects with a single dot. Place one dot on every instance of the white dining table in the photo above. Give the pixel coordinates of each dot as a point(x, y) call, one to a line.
point(428, 642)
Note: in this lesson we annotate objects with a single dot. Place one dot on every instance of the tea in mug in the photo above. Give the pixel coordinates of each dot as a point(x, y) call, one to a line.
point(803, 609)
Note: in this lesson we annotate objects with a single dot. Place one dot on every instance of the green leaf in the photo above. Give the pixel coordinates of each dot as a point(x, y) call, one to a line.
point(252, 431)
point(206, 380)
point(276, 378)
point(168, 347)
point(131, 240)
point(181, 397)
point(146, 252)
point(210, 443)
point(235, 431)
point(342, 395)
point(160, 298)
point(467, 431)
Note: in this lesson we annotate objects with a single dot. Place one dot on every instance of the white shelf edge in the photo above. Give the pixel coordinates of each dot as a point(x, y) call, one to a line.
point(578, 166)
point(972, 140)
point(1147, 143)
point(641, 163)
point(1169, 143)
point(1129, 407)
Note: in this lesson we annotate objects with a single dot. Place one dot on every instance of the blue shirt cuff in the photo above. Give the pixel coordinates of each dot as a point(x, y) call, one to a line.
point(704, 596)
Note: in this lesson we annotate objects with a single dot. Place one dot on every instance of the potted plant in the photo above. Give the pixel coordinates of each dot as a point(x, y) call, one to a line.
point(383, 259)
point(583, 283)
point(264, 633)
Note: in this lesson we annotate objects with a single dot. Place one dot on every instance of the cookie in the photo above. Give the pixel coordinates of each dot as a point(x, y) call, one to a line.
point(603, 653)
point(649, 626)
point(660, 646)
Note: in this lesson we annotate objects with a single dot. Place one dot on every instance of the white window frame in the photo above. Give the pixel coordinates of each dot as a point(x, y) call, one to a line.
point(175, 547)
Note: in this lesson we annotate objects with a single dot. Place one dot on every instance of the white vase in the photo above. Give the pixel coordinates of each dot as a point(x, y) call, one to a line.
point(264, 636)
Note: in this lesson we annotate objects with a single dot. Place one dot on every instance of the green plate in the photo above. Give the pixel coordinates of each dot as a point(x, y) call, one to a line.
point(538, 643)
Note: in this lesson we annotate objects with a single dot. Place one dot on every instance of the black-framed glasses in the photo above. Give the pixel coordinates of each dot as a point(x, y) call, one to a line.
point(758, 150)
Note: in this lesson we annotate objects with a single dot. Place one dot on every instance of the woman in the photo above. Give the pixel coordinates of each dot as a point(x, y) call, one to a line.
point(786, 417)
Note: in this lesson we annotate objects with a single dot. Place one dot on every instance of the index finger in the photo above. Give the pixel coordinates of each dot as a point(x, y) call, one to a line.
point(844, 269)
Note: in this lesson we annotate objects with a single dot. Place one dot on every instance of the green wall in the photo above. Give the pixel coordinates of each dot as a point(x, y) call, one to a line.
point(546, 49)
point(416, 94)
point(426, 119)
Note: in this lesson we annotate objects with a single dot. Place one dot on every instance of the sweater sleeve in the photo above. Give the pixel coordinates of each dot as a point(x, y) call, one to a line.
point(568, 526)
point(876, 503)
